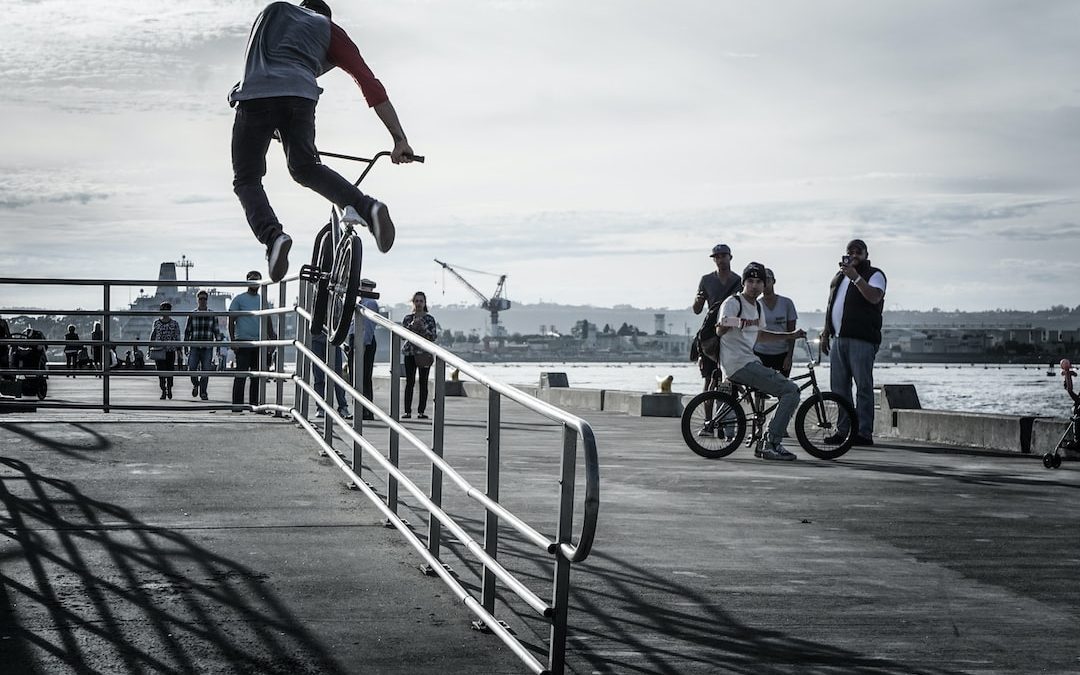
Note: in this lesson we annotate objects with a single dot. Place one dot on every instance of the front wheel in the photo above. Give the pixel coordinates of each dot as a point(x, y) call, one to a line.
point(713, 424)
point(343, 289)
point(816, 422)
point(322, 258)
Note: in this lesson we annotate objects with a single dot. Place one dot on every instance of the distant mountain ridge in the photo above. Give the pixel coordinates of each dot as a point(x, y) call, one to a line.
point(528, 318)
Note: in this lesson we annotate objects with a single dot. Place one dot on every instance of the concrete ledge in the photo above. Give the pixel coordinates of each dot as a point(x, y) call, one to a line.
point(581, 399)
point(643, 405)
point(1010, 433)
point(1045, 434)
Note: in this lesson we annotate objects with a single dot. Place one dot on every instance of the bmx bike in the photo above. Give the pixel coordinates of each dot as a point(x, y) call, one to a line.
point(1069, 439)
point(714, 423)
point(335, 266)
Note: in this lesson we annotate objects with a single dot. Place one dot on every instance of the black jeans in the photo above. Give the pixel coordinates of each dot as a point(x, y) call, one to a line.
point(167, 363)
point(294, 120)
point(247, 358)
point(369, 367)
point(410, 383)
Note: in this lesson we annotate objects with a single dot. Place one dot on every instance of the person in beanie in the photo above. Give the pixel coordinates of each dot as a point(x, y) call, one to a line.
point(852, 336)
point(742, 325)
point(288, 49)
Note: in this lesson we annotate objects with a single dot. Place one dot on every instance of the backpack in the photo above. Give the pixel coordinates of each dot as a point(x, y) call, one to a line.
point(706, 342)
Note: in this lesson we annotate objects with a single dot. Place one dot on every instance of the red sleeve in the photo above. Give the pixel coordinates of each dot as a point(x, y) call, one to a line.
point(344, 54)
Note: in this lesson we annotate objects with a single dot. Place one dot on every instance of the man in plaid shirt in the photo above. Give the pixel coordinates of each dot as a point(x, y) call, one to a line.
point(201, 325)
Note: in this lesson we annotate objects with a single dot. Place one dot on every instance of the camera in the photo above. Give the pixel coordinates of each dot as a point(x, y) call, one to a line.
point(845, 261)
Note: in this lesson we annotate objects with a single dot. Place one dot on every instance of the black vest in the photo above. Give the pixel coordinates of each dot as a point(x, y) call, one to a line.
point(862, 320)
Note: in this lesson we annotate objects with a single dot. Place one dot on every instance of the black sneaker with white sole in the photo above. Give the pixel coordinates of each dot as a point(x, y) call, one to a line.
point(381, 226)
point(278, 256)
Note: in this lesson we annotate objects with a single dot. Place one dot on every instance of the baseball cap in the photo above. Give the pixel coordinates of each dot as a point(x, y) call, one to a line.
point(858, 244)
point(165, 305)
point(720, 248)
point(254, 275)
point(367, 283)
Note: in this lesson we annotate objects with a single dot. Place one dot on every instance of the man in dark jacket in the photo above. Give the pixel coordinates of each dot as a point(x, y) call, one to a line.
point(852, 336)
point(289, 47)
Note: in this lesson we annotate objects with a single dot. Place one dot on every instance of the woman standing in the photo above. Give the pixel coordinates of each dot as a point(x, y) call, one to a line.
point(98, 334)
point(165, 329)
point(423, 324)
point(780, 316)
point(71, 349)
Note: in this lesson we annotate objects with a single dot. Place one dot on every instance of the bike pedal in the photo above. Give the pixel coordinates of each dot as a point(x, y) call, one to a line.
point(310, 273)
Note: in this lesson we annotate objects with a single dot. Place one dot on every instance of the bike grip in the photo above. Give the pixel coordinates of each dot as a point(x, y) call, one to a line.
point(416, 158)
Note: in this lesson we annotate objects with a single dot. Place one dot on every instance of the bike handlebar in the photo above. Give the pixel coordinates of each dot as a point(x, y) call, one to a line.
point(369, 161)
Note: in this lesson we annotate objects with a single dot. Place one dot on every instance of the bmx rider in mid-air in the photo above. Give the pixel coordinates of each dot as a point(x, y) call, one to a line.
point(289, 47)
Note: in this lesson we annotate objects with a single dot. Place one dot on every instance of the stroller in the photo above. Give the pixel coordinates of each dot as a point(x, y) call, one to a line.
point(30, 357)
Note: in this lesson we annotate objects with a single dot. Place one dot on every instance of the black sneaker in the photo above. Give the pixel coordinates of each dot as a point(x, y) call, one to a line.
point(194, 391)
point(381, 226)
point(278, 256)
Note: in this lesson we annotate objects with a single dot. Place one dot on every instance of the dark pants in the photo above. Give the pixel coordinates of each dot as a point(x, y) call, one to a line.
point(369, 368)
point(247, 358)
point(199, 359)
point(167, 363)
point(72, 360)
point(410, 383)
point(294, 120)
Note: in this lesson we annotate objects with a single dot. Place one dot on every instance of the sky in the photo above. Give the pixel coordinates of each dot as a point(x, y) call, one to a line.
point(593, 152)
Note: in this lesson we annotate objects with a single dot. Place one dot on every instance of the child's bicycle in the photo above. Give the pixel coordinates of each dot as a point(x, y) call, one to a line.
point(714, 422)
point(335, 266)
point(1069, 440)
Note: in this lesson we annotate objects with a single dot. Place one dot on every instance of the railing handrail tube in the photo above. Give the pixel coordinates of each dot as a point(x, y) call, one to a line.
point(592, 463)
point(531, 598)
point(183, 313)
point(471, 491)
point(49, 281)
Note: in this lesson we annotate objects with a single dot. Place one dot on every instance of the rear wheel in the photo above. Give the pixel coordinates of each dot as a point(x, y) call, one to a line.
point(343, 289)
point(713, 424)
point(816, 420)
point(323, 253)
point(43, 389)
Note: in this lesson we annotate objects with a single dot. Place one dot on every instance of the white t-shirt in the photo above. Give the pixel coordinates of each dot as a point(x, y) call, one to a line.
point(877, 280)
point(737, 344)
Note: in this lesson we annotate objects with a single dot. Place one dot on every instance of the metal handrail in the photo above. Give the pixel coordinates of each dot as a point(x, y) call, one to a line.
point(44, 281)
point(592, 464)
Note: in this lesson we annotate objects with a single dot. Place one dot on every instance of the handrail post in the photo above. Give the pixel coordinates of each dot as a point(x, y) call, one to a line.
point(279, 387)
point(491, 521)
point(437, 437)
point(298, 371)
point(355, 358)
point(395, 414)
point(327, 392)
point(560, 596)
point(264, 354)
point(106, 292)
point(306, 376)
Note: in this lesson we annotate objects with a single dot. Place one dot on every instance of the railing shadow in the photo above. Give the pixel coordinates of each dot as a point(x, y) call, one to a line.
point(86, 584)
point(93, 441)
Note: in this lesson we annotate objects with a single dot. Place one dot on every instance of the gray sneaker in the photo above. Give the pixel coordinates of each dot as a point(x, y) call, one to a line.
point(774, 450)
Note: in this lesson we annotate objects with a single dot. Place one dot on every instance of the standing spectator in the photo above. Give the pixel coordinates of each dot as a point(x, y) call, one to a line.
point(367, 346)
point(223, 355)
point(713, 289)
point(423, 324)
point(5, 334)
point(165, 330)
point(98, 334)
point(852, 336)
point(780, 317)
point(138, 358)
point(201, 326)
point(246, 328)
point(71, 350)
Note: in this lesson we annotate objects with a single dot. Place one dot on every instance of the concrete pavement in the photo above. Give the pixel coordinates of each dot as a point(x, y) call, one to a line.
point(225, 544)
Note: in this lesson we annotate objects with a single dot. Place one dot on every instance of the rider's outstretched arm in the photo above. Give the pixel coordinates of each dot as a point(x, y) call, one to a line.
point(402, 152)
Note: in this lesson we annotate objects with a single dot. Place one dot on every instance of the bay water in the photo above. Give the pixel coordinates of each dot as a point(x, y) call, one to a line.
point(984, 388)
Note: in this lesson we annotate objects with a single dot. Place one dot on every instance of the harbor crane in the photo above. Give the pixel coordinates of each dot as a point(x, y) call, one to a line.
point(495, 304)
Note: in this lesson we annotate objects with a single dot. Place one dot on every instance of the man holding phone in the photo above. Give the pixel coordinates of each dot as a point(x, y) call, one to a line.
point(852, 336)
point(741, 325)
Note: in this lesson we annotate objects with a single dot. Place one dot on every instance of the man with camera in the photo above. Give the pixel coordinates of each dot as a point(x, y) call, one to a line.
point(852, 336)
point(741, 325)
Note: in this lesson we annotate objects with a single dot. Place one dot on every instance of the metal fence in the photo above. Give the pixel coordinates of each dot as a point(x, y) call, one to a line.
point(560, 548)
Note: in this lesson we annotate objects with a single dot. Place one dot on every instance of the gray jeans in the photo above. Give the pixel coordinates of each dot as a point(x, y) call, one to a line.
point(767, 380)
point(851, 359)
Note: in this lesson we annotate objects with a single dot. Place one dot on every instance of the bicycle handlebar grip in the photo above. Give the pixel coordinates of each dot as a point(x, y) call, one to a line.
point(416, 158)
